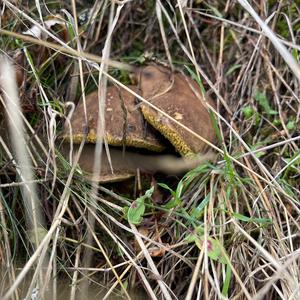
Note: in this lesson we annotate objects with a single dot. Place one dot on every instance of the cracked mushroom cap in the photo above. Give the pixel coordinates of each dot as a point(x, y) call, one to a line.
point(180, 98)
point(124, 123)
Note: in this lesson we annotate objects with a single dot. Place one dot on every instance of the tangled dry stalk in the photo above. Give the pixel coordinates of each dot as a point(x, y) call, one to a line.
point(225, 230)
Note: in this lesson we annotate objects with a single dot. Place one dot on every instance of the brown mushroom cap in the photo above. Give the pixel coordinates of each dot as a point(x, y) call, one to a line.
point(137, 134)
point(180, 101)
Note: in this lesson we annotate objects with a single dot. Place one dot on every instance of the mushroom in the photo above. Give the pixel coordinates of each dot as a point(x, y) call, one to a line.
point(124, 126)
point(124, 123)
point(179, 97)
point(173, 94)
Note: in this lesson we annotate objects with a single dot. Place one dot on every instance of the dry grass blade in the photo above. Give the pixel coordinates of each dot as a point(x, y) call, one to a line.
point(293, 64)
point(66, 50)
point(287, 43)
point(146, 253)
point(37, 255)
point(229, 227)
point(24, 167)
point(34, 217)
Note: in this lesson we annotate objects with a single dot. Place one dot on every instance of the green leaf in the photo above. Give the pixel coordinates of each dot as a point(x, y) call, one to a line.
point(175, 201)
point(172, 203)
point(166, 187)
point(70, 27)
point(197, 212)
point(287, 187)
point(125, 212)
point(261, 98)
point(229, 169)
point(293, 165)
point(215, 125)
point(295, 158)
point(227, 280)
point(196, 78)
point(201, 169)
point(148, 193)
point(179, 189)
point(258, 145)
point(215, 11)
point(248, 111)
point(290, 125)
point(137, 208)
point(215, 249)
point(295, 54)
point(276, 122)
point(136, 211)
point(193, 236)
point(19, 43)
point(232, 69)
point(252, 220)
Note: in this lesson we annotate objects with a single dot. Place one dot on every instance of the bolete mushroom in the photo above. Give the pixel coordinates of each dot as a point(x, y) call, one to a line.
point(173, 94)
point(180, 98)
point(124, 126)
point(124, 123)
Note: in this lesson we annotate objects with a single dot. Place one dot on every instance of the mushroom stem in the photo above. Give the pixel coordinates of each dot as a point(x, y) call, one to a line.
point(128, 163)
